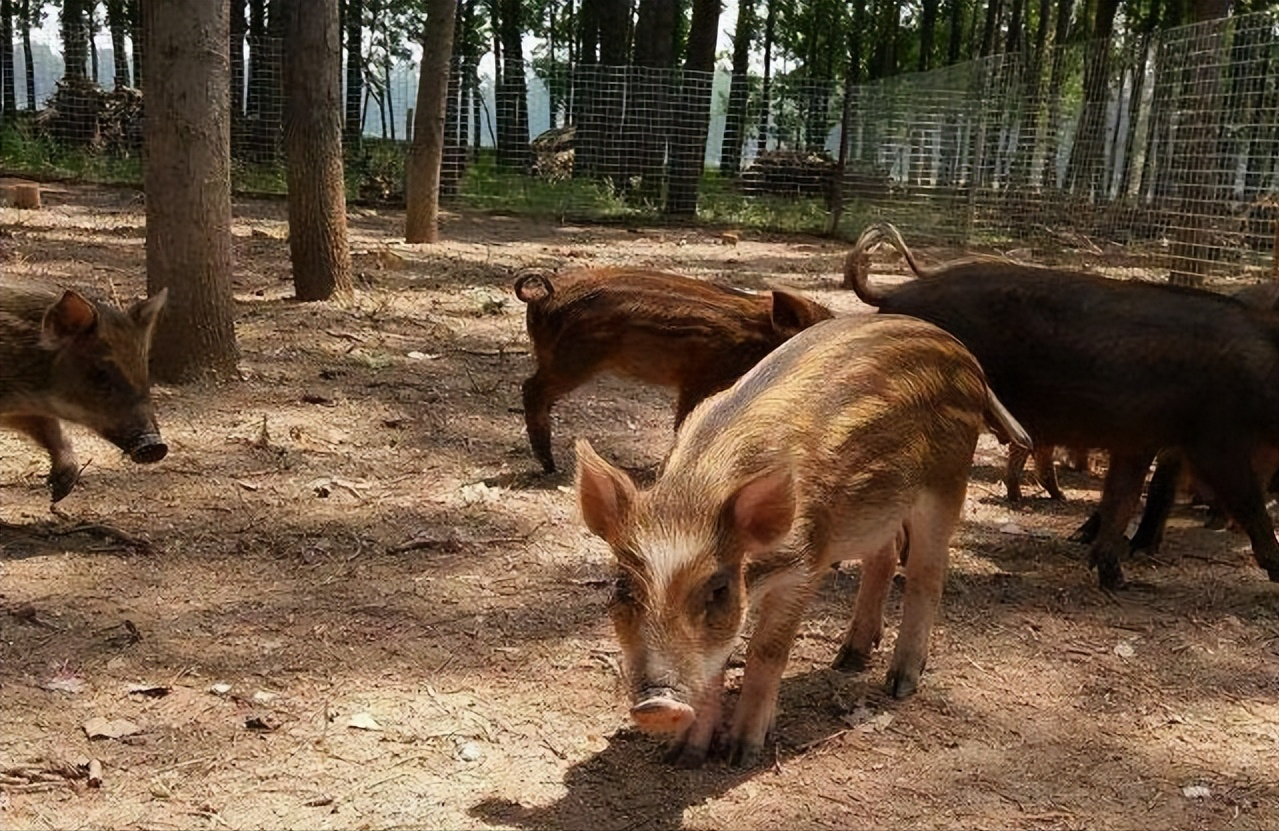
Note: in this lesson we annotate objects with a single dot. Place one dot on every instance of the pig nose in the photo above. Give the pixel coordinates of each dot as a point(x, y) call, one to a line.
point(659, 712)
point(148, 448)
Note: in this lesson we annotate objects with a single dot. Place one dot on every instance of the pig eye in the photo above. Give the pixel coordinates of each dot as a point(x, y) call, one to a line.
point(624, 589)
point(717, 592)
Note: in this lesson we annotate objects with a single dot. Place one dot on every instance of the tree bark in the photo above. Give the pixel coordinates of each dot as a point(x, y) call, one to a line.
point(1060, 36)
point(688, 145)
point(75, 48)
point(954, 48)
point(354, 72)
point(239, 28)
point(187, 176)
point(1192, 248)
point(117, 22)
point(427, 150)
point(765, 106)
point(730, 154)
point(27, 58)
point(512, 125)
point(313, 149)
point(9, 97)
point(927, 34)
point(993, 10)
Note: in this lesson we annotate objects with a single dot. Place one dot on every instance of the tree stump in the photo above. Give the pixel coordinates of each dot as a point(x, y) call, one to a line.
point(26, 197)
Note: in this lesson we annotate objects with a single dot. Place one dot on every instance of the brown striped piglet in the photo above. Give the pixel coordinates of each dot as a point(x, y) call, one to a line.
point(853, 440)
point(654, 326)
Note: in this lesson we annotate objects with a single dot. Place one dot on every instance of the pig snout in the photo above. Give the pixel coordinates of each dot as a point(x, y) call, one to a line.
point(658, 711)
point(147, 449)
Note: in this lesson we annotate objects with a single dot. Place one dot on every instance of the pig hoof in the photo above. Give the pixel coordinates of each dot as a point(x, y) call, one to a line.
point(62, 481)
point(1087, 532)
point(902, 684)
point(687, 756)
point(744, 754)
point(850, 659)
point(663, 715)
point(1110, 576)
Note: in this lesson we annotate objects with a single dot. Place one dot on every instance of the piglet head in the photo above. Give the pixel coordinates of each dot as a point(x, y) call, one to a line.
point(680, 599)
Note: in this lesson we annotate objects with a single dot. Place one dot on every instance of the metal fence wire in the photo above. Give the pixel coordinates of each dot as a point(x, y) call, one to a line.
point(1164, 143)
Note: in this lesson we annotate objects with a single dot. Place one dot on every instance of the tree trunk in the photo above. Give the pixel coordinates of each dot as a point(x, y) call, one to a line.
point(354, 72)
point(1192, 248)
point(426, 152)
point(954, 48)
point(993, 10)
point(257, 50)
point(512, 124)
point(1083, 174)
point(730, 154)
point(135, 31)
point(649, 96)
point(91, 41)
point(1060, 36)
point(75, 49)
point(318, 246)
point(117, 22)
point(27, 58)
point(187, 173)
point(1014, 41)
point(453, 162)
point(239, 29)
point(688, 145)
point(765, 97)
point(9, 97)
point(927, 35)
point(852, 79)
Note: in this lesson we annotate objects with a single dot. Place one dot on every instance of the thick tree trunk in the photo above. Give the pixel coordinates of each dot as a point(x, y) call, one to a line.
point(955, 44)
point(1060, 36)
point(512, 125)
point(117, 23)
point(239, 29)
point(688, 146)
point(313, 149)
point(27, 58)
point(187, 176)
point(354, 72)
point(993, 9)
point(135, 32)
point(9, 97)
point(927, 35)
point(766, 92)
point(427, 150)
point(730, 154)
point(75, 49)
point(1192, 247)
point(1087, 153)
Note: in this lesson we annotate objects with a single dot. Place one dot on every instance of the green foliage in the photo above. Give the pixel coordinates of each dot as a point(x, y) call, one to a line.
point(488, 187)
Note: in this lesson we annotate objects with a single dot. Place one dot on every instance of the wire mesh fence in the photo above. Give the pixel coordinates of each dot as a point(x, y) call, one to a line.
point(1164, 143)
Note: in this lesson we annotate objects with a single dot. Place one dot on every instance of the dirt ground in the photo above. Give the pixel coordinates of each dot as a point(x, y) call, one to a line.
point(347, 600)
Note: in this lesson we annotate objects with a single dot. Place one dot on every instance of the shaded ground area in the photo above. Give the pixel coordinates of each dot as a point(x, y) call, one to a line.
point(346, 600)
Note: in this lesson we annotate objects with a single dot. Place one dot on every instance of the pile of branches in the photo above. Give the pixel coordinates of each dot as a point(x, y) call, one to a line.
point(83, 114)
point(553, 153)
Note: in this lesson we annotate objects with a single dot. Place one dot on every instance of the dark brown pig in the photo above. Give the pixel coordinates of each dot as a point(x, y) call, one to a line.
point(70, 358)
point(853, 440)
point(654, 326)
point(1129, 367)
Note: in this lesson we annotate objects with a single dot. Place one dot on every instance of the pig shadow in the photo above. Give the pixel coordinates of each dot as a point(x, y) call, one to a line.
point(629, 785)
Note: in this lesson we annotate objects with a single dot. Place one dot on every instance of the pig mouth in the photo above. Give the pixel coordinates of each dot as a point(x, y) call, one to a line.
point(658, 711)
point(146, 449)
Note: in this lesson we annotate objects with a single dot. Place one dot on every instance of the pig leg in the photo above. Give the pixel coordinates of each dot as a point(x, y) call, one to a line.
point(781, 611)
point(1012, 473)
point(867, 626)
point(64, 470)
point(1120, 494)
point(929, 529)
point(1046, 472)
point(690, 749)
point(541, 390)
point(1238, 490)
point(1160, 495)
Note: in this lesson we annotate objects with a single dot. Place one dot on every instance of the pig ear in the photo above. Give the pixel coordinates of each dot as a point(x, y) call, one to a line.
point(791, 313)
point(69, 318)
point(763, 510)
point(604, 493)
point(146, 312)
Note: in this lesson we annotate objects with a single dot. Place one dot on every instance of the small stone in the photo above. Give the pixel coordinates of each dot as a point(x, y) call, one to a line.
point(469, 752)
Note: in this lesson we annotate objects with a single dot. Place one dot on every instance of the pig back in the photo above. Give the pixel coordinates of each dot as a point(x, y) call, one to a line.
point(869, 407)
